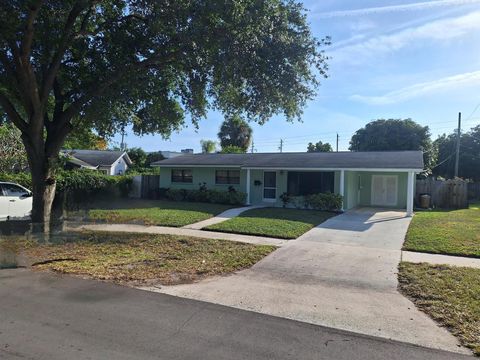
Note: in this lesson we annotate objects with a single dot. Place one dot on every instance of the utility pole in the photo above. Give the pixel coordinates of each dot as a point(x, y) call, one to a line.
point(122, 144)
point(337, 142)
point(253, 147)
point(457, 152)
point(281, 145)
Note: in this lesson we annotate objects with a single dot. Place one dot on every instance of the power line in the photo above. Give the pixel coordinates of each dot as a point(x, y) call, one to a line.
point(473, 112)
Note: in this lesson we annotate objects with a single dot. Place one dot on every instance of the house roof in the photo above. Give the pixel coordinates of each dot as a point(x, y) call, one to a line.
point(328, 160)
point(98, 157)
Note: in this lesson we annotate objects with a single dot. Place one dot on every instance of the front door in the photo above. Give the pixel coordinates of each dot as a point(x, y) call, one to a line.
point(384, 190)
point(269, 186)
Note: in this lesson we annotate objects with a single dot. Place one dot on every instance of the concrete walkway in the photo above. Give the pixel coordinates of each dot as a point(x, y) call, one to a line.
point(341, 274)
point(437, 259)
point(224, 216)
point(259, 240)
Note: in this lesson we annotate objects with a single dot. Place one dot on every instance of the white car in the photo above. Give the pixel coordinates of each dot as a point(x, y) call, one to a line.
point(15, 201)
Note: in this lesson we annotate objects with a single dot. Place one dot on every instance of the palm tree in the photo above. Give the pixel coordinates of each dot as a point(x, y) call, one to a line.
point(235, 132)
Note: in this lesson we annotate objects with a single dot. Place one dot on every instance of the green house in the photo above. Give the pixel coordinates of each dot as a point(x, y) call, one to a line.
point(374, 179)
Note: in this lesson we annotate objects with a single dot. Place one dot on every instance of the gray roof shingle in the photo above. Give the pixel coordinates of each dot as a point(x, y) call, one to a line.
point(335, 160)
point(97, 157)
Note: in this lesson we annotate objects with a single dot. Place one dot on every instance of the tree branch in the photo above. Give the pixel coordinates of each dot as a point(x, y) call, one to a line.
point(97, 89)
point(68, 35)
point(26, 45)
point(12, 113)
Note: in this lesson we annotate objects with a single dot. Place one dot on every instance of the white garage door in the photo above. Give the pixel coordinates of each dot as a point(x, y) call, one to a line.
point(384, 190)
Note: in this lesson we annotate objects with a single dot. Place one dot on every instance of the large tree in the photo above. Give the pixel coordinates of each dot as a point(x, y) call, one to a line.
point(66, 64)
point(394, 134)
point(469, 157)
point(235, 132)
point(319, 147)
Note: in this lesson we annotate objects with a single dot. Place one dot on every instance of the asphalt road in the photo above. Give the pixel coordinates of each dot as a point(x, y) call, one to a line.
point(44, 316)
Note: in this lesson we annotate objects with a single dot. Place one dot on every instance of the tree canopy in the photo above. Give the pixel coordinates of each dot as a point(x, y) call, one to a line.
point(101, 64)
point(469, 159)
point(235, 132)
point(208, 146)
point(319, 147)
point(232, 149)
point(394, 134)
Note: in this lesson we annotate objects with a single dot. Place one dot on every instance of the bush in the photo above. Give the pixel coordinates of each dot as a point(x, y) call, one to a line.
point(176, 194)
point(324, 201)
point(208, 196)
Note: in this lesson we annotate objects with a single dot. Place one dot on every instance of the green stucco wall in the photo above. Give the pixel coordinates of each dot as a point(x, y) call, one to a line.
point(200, 175)
point(357, 192)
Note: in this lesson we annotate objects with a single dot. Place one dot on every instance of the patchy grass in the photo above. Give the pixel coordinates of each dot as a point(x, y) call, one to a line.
point(450, 295)
point(273, 222)
point(144, 258)
point(454, 232)
point(158, 212)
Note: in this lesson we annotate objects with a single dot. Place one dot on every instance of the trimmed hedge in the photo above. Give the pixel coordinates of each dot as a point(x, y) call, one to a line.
point(230, 197)
point(324, 201)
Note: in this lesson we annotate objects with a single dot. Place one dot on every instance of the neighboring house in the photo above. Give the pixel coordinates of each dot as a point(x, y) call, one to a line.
point(382, 179)
point(107, 161)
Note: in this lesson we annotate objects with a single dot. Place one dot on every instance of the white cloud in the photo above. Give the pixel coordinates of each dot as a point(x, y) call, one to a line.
point(421, 89)
point(438, 30)
point(393, 8)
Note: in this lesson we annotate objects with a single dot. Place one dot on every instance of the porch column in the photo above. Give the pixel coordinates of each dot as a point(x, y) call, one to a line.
point(342, 186)
point(410, 185)
point(248, 187)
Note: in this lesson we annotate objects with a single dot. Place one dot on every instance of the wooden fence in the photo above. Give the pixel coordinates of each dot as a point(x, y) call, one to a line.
point(474, 191)
point(145, 186)
point(447, 194)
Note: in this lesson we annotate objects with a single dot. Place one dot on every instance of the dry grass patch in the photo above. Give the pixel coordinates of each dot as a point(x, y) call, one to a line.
point(450, 295)
point(141, 259)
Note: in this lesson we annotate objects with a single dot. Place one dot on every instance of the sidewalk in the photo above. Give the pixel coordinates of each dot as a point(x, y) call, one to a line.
point(258, 240)
point(224, 216)
point(438, 259)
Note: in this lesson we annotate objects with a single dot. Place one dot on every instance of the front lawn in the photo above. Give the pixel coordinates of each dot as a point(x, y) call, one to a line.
point(141, 259)
point(453, 232)
point(273, 222)
point(450, 295)
point(157, 212)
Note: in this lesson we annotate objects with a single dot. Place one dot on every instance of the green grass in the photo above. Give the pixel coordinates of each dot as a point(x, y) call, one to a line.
point(453, 232)
point(273, 222)
point(157, 212)
point(141, 259)
point(450, 295)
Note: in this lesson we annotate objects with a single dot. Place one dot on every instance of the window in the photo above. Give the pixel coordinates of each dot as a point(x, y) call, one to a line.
point(182, 176)
point(310, 182)
point(227, 177)
point(13, 190)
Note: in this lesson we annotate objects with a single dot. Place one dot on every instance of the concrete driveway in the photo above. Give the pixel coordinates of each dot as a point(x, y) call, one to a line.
point(341, 274)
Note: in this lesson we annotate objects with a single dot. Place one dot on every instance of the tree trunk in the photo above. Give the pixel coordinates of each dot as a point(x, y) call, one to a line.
point(43, 188)
point(43, 183)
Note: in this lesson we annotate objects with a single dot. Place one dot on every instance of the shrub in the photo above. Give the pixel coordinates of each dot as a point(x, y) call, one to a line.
point(209, 196)
point(286, 199)
point(176, 194)
point(324, 201)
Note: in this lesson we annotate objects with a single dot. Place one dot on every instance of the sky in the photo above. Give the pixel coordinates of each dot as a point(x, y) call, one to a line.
point(388, 59)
